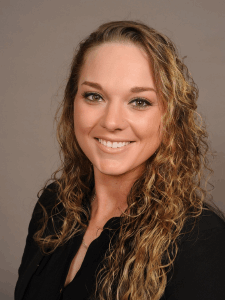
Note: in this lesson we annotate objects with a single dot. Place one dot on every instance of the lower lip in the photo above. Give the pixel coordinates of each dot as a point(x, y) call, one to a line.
point(113, 150)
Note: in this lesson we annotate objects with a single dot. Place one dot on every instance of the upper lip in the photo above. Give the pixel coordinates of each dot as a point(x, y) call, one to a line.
point(111, 140)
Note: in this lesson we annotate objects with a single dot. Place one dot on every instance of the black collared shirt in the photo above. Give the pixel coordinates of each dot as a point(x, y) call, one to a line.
point(198, 271)
point(84, 281)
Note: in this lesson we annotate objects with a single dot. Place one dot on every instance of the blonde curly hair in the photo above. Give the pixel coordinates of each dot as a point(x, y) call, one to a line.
point(167, 193)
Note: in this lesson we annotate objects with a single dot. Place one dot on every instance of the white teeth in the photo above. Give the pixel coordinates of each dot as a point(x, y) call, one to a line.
point(114, 144)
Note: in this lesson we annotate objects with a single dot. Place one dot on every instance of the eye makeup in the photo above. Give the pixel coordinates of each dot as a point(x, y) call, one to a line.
point(96, 97)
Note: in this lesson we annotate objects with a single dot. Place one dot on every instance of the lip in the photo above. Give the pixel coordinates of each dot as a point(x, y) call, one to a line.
point(112, 150)
point(111, 140)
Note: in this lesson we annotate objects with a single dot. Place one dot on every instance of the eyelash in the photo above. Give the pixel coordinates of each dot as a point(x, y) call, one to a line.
point(85, 95)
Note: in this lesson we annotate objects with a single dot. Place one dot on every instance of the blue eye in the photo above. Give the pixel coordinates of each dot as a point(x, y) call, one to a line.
point(93, 97)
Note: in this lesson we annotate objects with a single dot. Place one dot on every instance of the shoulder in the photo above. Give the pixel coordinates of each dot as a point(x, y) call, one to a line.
point(48, 200)
point(203, 238)
point(49, 196)
point(210, 218)
point(209, 222)
point(198, 271)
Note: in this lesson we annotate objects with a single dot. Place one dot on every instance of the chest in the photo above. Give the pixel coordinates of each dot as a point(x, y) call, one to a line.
point(90, 235)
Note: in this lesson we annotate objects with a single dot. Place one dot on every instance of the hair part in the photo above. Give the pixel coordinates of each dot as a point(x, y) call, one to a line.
point(166, 195)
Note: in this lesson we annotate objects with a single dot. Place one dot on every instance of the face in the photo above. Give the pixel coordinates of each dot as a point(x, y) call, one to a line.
point(116, 102)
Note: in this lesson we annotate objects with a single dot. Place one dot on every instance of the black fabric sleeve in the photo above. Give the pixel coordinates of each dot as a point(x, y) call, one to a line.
point(48, 199)
point(30, 246)
point(199, 269)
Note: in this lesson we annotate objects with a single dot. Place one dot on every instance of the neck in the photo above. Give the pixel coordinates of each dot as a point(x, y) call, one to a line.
point(111, 193)
point(105, 211)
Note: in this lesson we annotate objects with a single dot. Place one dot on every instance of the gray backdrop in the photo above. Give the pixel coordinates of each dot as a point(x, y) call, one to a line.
point(37, 42)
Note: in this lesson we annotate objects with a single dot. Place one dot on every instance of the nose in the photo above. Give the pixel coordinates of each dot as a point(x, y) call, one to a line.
point(114, 116)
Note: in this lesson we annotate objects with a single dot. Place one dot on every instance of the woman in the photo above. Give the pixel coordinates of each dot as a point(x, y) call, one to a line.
point(127, 217)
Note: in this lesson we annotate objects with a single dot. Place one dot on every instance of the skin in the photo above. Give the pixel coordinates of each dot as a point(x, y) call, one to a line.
point(117, 67)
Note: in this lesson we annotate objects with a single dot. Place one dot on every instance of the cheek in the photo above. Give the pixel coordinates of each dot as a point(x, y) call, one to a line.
point(150, 127)
point(83, 119)
point(79, 124)
point(151, 135)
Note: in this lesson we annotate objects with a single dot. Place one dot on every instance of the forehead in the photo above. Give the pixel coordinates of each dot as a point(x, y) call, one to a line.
point(118, 63)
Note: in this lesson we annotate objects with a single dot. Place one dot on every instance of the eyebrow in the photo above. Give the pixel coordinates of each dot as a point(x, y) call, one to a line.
point(136, 89)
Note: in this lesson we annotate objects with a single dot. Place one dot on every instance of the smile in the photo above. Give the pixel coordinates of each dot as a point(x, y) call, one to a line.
point(113, 147)
point(113, 144)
